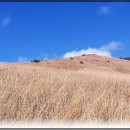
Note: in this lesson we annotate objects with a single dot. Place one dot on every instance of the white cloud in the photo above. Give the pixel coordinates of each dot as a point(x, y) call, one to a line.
point(5, 21)
point(104, 10)
point(23, 59)
point(43, 56)
point(111, 46)
point(105, 50)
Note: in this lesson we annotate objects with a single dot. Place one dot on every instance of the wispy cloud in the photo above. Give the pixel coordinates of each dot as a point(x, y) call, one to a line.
point(5, 21)
point(43, 56)
point(23, 59)
point(110, 7)
point(104, 50)
point(104, 10)
point(111, 46)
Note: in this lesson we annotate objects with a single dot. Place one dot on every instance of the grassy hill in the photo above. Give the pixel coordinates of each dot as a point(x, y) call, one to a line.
point(83, 88)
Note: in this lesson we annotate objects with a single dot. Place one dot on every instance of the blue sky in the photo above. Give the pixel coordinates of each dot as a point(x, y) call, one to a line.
point(30, 30)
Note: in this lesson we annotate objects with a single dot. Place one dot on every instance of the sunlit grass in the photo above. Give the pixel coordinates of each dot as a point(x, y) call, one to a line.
point(33, 93)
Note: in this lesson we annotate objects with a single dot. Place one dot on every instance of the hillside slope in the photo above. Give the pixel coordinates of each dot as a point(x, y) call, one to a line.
point(88, 62)
point(98, 88)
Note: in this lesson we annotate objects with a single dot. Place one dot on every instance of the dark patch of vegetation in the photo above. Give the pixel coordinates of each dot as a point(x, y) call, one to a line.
point(36, 61)
point(71, 58)
point(108, 61)
point(81, 62)
point(83, 55)
point(126, 58)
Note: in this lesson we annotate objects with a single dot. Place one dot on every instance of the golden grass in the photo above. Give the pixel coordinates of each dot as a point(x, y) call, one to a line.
point(45, 93)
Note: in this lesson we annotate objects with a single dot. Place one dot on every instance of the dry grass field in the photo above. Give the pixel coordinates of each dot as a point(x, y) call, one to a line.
point(66, 89)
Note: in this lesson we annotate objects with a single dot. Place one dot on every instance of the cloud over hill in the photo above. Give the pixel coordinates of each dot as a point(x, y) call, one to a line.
point(104, 50)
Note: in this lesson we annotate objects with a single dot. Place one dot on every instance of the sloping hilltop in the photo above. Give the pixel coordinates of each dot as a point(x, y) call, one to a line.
point(82, 88)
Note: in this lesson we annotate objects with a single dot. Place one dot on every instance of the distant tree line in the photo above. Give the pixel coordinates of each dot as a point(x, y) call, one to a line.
point(37, 60)
point(126, 58)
